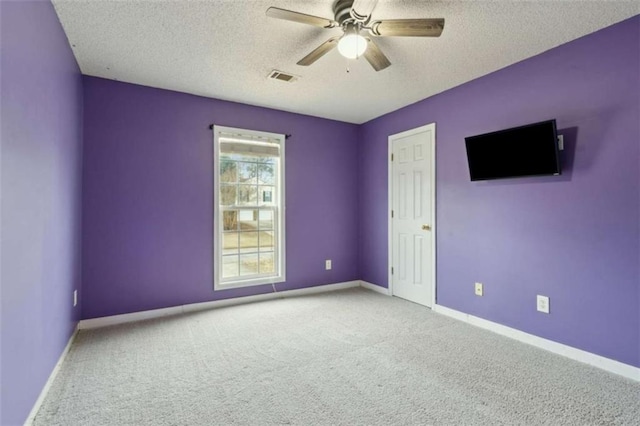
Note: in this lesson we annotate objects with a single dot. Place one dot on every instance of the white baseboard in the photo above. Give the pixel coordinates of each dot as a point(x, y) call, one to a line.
point(52, 377)
point(598, 361)
point(375, 288)
point(193, 307)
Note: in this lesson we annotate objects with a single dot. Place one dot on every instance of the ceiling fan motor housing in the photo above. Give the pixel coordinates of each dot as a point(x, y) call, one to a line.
point(342, 11)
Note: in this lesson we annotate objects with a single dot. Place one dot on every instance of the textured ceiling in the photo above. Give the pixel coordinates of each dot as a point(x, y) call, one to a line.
point(225, 49)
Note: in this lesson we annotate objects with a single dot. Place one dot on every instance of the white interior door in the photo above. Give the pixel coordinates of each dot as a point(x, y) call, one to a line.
point(412, 221)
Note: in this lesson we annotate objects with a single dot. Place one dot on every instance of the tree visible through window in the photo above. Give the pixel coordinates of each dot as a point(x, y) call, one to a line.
point(249, 202)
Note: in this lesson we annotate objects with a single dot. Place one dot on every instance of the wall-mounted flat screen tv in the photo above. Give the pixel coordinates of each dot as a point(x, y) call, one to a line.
point(530, 150)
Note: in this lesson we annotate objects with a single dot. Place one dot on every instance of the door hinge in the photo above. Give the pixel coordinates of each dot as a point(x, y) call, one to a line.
point(391, 157)
point(392, 214)
point(392, 270)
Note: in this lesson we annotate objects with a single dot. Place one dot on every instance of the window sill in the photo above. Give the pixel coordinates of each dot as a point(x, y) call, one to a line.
point(249, 282)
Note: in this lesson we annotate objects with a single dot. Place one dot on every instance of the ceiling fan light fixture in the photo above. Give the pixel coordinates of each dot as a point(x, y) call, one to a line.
point(354, 16)
point(352, 45)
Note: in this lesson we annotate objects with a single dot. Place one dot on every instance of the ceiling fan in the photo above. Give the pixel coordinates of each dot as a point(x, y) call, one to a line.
point(354, 18)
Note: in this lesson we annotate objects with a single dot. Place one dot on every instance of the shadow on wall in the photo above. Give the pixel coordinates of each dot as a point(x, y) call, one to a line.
point(567, 156)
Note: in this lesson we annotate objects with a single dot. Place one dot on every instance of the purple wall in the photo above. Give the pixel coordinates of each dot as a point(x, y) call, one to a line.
point(148, 197)
point(41, 152)
point(574, 238)
point(147, 201)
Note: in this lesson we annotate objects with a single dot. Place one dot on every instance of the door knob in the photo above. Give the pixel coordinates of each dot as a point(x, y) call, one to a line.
point(426, 228)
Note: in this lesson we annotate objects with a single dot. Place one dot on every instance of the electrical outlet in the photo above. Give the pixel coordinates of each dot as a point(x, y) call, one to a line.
point(479, 289)
point(327, 264)
point(542, 304)
point(75, 298)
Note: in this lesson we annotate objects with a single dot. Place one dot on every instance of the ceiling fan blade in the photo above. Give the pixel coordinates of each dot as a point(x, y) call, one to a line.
point(319, 52)
point(408, 27)
point(375, 57)
point(289, 15)
point(361, 9)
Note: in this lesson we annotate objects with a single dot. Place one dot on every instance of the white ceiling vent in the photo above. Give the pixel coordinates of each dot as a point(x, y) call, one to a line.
point(282, 76)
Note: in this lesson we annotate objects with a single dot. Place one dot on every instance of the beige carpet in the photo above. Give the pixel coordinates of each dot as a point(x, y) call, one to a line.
point(341, 358)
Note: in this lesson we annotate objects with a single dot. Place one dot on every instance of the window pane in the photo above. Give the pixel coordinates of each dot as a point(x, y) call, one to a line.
point(266, 172)
point(248, 264)
point(248, 220)
point(266, 219)
point(249, 216)
point(248, 173)
point(250, 157)
point(248, 241)
point(267, 263)
point(228, 195)
point(230, 220)
point(266, 240)
point(230, 266)
point(228, 170)
point(267, 194)
point(248, 195)
point(229, 242)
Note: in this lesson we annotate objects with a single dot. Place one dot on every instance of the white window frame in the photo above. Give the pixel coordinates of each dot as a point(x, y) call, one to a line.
point(279, 219)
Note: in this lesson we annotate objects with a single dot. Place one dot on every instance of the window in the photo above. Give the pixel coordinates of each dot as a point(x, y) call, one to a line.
point(248, 208)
